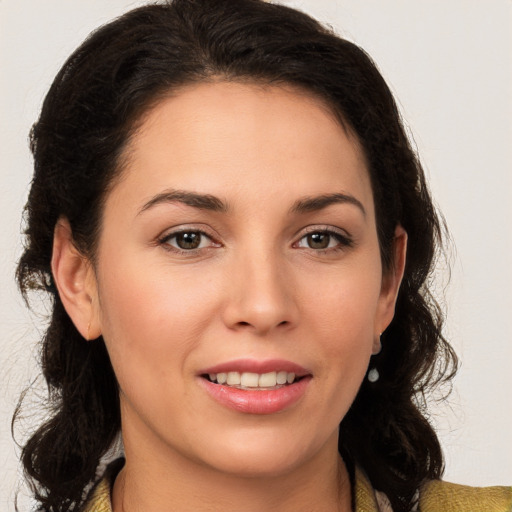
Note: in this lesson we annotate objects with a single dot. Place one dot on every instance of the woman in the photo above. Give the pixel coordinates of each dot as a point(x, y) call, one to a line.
point(237, 236)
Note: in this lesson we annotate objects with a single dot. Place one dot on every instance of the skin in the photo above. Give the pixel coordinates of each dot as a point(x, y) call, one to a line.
point(255, 288)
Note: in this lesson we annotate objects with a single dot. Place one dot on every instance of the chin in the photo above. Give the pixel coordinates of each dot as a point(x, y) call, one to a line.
point(261, 456)
point(263, 466)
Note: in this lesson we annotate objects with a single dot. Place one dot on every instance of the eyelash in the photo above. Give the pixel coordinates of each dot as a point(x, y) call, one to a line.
point(165, 241)
point(344, 241)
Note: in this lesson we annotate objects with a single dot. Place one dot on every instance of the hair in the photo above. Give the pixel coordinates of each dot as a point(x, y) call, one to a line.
point(88, 117)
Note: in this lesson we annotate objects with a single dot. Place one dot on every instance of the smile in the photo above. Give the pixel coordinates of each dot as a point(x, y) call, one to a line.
point(253, 381)
point(256, 387)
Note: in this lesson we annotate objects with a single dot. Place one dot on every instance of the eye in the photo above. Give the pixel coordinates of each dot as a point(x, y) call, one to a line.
point(324, 239)
point(187, 240)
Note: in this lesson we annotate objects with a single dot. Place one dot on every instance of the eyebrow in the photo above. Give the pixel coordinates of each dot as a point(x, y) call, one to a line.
point(213, 203)
point(200, 201)
point(311, 204)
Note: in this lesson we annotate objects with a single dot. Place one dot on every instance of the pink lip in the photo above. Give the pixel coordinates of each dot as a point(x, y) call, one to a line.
point(254, 366)
point(257, 401)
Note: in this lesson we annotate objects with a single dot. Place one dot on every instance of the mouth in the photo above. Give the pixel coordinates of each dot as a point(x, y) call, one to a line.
point(256, 387)
point(253, 381)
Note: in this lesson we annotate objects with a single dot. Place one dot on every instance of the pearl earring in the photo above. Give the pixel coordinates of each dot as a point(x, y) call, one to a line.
point(373, 375)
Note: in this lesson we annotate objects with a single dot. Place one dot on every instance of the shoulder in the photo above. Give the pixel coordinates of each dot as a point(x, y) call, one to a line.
point(439, 496)
point(99, 499)
point(435, 496)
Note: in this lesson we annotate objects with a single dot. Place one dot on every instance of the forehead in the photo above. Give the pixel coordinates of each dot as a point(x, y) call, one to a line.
point(252, 139)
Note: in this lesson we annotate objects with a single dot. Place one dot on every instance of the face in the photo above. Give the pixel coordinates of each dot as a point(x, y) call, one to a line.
point(239, 284)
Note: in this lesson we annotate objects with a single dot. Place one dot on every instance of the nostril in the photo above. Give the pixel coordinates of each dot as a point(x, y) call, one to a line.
point(248, 324)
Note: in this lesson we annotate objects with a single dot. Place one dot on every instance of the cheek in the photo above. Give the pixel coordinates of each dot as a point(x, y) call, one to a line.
point(151, 318)
point(344, 302)
point(342, 311)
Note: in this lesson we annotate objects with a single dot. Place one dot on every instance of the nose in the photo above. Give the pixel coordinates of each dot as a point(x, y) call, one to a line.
point(260, 295)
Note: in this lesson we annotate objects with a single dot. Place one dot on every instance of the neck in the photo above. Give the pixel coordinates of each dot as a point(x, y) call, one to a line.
point(152, 483)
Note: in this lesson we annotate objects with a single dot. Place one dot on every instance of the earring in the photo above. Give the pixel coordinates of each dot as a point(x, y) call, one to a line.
point(373, 375)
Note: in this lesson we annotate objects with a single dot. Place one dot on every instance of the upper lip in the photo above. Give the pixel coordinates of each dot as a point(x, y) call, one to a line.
point(257, 366)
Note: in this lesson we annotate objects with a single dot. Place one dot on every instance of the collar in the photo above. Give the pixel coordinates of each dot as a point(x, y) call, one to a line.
point(366, 500)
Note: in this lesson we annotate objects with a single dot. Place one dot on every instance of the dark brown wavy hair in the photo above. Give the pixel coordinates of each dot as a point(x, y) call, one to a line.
point(91, 111)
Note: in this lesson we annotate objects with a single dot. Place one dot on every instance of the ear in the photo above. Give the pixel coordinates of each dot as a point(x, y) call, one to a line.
point(391, 280)
point(76, 282)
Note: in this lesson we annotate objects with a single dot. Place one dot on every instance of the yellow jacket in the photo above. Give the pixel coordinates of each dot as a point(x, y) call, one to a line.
point(435, 496)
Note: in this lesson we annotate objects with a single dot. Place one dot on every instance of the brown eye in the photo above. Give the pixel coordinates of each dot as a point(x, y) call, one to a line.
point(318, 240)
point(324, 240)
point(188, 240)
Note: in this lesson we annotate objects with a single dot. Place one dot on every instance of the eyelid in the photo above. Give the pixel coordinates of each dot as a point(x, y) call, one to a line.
point(323, 228)
point(170, 233)
point(344, 237)
point(185, 227)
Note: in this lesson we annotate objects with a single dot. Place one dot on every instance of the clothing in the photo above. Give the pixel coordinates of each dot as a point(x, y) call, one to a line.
point(435, 496)
point(439, 496)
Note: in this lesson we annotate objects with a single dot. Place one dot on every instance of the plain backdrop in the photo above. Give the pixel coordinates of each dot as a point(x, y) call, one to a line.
point(449, 63)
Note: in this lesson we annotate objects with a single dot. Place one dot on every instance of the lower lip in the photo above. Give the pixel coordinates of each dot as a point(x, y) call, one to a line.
point(257, 402)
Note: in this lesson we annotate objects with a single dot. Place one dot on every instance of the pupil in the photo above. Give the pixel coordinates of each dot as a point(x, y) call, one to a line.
point(318, 240)
point(188, 240)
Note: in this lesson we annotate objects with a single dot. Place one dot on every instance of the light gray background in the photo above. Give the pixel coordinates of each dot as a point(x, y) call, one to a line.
point(449, 64)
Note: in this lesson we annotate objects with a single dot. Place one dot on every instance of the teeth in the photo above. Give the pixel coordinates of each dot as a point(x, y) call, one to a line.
point(282, 377)
point(249, 380)
point(233, 379)
point(268, 380)
point(253, 380)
